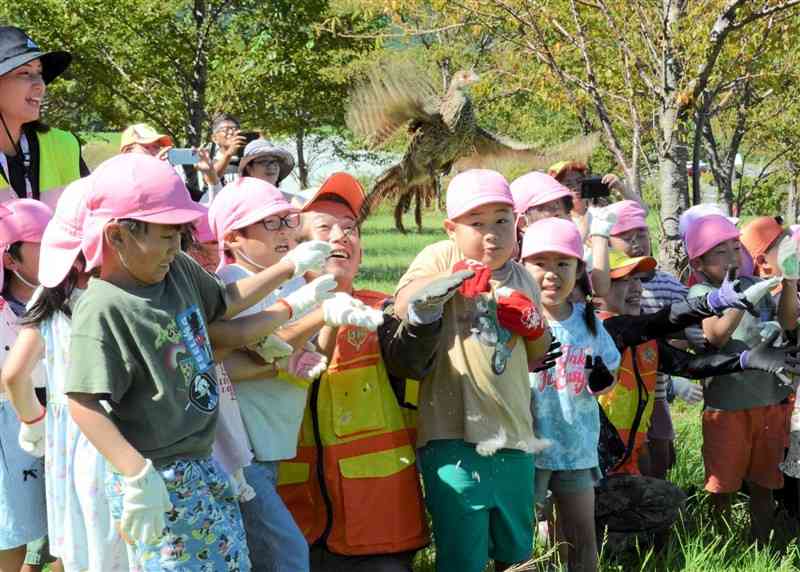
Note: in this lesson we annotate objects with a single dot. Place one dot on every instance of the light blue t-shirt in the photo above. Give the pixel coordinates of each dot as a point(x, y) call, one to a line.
point(563, 409)
point(272, 409)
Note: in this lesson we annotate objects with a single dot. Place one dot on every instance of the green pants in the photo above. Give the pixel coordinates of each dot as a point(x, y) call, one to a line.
point(481, 507)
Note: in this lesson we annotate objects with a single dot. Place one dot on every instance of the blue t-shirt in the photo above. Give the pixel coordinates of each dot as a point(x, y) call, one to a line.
point(563, 409)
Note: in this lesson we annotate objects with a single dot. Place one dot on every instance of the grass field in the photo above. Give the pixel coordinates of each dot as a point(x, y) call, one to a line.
point(694, 543)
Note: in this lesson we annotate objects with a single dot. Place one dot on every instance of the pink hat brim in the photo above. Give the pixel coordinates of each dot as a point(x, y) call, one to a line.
point(547, 197)
point(57, 254)
point(551, 247)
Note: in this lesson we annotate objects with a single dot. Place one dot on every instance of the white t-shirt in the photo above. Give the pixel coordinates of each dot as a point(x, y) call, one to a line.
point(272, 409)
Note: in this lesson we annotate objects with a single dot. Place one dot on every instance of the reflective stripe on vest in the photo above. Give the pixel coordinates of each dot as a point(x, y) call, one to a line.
point(621, 402)
point(59, 165)
point(368, 456)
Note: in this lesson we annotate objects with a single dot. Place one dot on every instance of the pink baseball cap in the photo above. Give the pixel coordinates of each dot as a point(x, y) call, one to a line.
point(133, 186)
point(61, 242)
point(534, 189)
point(21, 220)
point(244, 202)
point(202, 228)
point(475, 188)
point(552, 235)
point(630, 215)
point(707, 232)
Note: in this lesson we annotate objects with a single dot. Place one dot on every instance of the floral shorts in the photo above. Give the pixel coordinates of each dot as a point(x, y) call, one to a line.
point(204, 531)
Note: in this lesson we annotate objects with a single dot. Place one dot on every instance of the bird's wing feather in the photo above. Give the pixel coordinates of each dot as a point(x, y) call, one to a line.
point(391, 96)
point(504, 154)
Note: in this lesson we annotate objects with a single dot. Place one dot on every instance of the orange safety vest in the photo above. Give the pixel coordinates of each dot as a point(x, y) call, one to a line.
point(621, 403)
point(354, 483)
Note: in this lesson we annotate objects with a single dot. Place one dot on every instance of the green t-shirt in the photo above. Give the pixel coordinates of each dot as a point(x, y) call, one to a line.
point(146, 350)
point(745, 389)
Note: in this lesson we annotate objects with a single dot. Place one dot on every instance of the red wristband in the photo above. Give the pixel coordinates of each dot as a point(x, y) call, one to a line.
point(32, 421)
point(288, 306)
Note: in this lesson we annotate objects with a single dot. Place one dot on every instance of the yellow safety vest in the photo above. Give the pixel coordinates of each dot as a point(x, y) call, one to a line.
point(59, 165)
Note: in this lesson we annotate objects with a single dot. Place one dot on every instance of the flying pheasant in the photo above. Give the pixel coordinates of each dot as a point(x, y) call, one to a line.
point(444, 134)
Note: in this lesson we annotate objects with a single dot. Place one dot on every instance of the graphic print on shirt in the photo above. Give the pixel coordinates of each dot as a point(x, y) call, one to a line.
point(568, 372)
point(188, 350)
point(203, 391)
point(490, 333)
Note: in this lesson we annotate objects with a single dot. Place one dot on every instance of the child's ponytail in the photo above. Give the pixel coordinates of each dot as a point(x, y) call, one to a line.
point(585, 286)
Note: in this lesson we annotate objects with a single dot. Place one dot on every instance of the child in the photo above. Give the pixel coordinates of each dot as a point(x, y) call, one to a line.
point(256, 227)
point(475, 432)
point(140, 341)
point(22, 492)
point(78, 516)
point(744, 419)
point(631, 236)
point(564, 405)
point(762, 237)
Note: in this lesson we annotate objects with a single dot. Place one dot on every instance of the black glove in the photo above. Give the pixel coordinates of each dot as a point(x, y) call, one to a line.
point(771, 359)
point(600, 378)
point(548, 360)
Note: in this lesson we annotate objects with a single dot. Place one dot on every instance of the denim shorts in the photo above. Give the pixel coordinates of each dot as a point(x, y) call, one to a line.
point(23, 514)
point(204, 530)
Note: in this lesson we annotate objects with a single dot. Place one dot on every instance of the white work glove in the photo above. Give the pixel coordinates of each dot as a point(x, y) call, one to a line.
point(757, 291)
point(788, 261)
point(344, 310)
point(602, 220)
point(31, 438)
point(311, 294)
point(309, 256)
point(307, 363)
point(144, 505)
point(271, 349)
point(241, 488)
point(687, 391)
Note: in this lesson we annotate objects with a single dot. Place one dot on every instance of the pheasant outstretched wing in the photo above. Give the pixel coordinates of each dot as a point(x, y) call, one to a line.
point(391, 96)
point(504, 154)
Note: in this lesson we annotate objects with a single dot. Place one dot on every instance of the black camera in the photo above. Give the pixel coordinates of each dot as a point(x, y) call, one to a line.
point(594, 188)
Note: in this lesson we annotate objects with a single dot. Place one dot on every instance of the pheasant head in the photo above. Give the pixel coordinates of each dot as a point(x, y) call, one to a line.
point(462, 79)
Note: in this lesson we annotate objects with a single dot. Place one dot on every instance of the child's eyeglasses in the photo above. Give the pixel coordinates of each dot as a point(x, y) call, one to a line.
point(276, 222)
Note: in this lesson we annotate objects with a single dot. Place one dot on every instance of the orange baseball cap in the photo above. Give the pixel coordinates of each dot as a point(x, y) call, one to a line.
point(758, 234)
point(342, 185)
point(620, 265)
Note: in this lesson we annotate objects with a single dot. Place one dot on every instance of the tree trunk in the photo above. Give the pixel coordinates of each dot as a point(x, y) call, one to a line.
point(792, 197)
point(302, 166)
point(197, 96)
point(673, 151)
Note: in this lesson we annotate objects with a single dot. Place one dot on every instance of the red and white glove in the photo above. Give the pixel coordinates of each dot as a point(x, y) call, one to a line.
point(479, 283)
point(518, 314)
point(307, 363)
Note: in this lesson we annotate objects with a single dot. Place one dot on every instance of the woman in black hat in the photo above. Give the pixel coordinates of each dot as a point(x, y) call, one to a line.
point(36, 161)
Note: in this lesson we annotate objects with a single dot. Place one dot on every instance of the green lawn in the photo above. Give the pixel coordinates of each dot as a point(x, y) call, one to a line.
point(694, 544)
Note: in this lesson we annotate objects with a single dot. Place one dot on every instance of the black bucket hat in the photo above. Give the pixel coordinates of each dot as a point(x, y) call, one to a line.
point(17, 49)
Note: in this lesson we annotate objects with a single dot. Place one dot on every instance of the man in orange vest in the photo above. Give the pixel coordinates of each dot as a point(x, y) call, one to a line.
point(353, 487)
